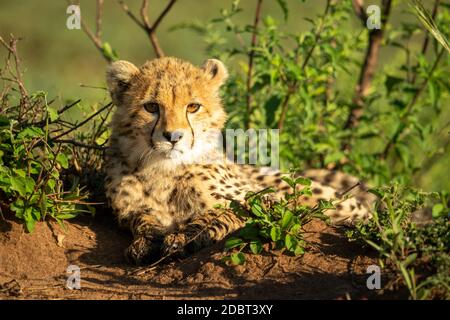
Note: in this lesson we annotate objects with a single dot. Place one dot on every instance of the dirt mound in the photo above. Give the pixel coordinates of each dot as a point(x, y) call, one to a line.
point(33, 266)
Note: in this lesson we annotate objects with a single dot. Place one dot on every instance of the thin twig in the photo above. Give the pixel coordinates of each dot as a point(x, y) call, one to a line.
point(144, 23)
point(17, 75)
point(67, 107)
point(79, 144)
point(98, 19)
point(82, 122)
point(152, 266)
point(96, 37)
point(131, 14)
point(163, 14)
point(144, 15)
point(340, 195)
point(101, 125)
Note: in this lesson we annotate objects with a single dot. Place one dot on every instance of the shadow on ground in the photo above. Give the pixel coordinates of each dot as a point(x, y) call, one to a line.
point(332, 269)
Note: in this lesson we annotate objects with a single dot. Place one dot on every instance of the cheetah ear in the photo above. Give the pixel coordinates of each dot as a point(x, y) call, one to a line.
point(216, 71)
point(118, 75)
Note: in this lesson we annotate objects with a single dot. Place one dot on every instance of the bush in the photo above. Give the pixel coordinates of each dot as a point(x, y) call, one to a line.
point(418, 255)
point(37, 165)
point(280, 223)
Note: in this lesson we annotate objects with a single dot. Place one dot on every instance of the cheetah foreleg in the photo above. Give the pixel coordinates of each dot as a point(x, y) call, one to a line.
point(200, 233)
point(148, 235)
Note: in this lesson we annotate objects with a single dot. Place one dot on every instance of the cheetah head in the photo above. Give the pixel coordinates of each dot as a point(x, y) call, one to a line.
point(168, 110)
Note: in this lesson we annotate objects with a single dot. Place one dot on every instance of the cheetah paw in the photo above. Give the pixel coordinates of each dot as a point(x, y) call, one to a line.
point(174, 245)
point(140, 250)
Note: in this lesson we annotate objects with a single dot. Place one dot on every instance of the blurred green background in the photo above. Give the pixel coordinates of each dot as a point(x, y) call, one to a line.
point(58, 60)
point(62, 61)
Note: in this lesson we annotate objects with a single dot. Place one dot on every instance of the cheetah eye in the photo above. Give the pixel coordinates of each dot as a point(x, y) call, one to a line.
point(151, 107)
point(193, 107)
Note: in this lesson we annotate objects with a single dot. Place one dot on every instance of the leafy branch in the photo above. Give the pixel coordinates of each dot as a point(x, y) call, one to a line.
point(294, 85)
point(280, 223)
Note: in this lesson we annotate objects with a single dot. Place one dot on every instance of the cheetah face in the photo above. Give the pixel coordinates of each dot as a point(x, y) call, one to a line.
point(168, 110)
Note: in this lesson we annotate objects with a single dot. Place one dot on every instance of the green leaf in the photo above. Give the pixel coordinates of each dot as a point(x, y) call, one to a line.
point(23, 185)
point(249, 232)
point(92, 210)
point(406, 276)
point(433, 90)
point(333, 157)
point(61, 158)
point(378, 193)
point(284, 8)
point(257, 210)
point(43, 204)
point(264, 233)
point(20, 172)
point(52, 113)
point(109, 52)
point(303, 181)
point(233, 242)
point(237, 258)
point(410, 259)
point(438, 209)
point(287, 219)
point(299, 250)
point(296, 228)
point(275, 233)
point(18, 207)
point(30, 132)
point(391, 82)
point(325, 204)
point(51, 184)
point(289, 181)
point(290, 242)
point(256, 247)
point(65, 216)
point(30, 224)
point(101, 140)
point(35, 214)
point(30, 219)
point(404, 152)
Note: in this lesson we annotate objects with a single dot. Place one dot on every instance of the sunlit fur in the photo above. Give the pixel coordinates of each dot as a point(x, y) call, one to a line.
point(173, 84)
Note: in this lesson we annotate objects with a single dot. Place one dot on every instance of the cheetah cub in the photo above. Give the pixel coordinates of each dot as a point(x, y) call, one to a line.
point(160, 180)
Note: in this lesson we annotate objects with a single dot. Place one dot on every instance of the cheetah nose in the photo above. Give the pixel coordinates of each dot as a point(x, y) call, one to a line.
point(173, 137)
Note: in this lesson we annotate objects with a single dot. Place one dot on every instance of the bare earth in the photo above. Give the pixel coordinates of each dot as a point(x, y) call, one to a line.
point(33, 266)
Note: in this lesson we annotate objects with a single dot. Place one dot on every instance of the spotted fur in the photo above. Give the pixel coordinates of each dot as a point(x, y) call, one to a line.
point(165, 172)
